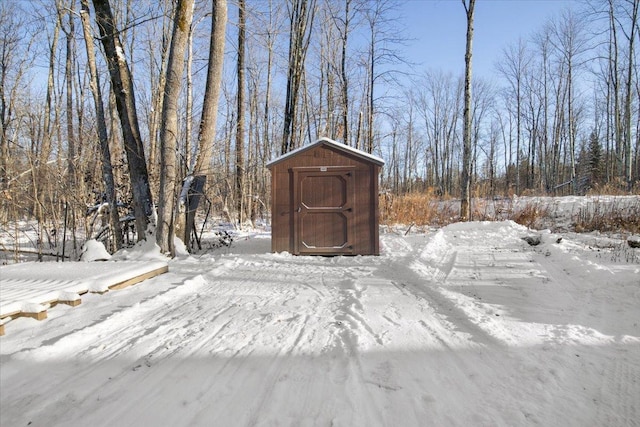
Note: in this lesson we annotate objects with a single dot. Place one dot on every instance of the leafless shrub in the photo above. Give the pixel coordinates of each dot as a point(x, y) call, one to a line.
point(533, 215)
point(608, 217)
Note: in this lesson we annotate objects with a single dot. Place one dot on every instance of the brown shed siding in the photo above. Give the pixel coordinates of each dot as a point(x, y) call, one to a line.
point(304, 182)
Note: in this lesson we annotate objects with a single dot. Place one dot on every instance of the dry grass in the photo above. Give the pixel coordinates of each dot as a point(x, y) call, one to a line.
point(614, 215)
point(533, 215)
point(427, 210)
point(616, 187)
point(608, 217)
point(419, 209)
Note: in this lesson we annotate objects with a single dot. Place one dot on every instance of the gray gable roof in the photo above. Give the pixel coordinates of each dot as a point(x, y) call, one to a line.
point(331, 143)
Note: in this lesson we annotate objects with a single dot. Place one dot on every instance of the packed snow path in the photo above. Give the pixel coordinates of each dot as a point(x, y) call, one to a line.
point(465, 326)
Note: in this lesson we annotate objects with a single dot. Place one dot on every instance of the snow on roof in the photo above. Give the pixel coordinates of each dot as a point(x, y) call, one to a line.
point(331, 143)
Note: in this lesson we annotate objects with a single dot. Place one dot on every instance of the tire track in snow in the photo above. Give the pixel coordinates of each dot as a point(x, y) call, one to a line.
point(623, 381)
point(350, 310)
point(235, 297)
point(321, 290)
point(449, 324)
point(349, 326)
point(439, 331)
point(473, 274)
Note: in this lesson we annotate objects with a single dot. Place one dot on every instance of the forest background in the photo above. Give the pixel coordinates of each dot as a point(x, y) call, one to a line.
point(128, 102)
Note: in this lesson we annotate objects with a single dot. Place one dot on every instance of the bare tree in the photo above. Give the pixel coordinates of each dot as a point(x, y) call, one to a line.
point(103, 137)
point(465, 196)
point(328, 59)
point(271, 33)
point(631, 62)
point(481, 105)
point(14, 62)
point(189, 95)
point(158, 54)
point(439, 107)
point(385, 36)
point(65, 10)
point(207, 130)
point(122, 88)
point(541, 75)
point(183, 16)
point(618, 75)
point(344, 26)
point(513, 67)
point(569, 40)
point(45, 151)
point(301, 16)
point(240, 128)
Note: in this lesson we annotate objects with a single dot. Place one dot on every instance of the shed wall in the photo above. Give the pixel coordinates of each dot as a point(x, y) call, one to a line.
point(365, 219)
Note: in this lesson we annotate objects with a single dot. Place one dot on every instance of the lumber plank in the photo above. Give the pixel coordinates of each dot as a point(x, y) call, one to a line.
point(41, 315)
point(6, 319)
point(73, 303)
point(140, 278)
point(10, 314)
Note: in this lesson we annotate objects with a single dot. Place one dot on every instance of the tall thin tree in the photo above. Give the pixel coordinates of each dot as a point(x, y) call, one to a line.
point(465, 195)
point(631, 63)
point(69, 71)
point(240, 131)
point(183, 16)
point(101, 125)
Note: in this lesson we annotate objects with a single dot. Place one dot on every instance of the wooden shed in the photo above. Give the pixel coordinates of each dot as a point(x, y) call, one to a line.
point(324, 200)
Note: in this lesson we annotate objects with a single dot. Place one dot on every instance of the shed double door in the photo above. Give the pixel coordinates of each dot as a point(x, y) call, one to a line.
point(324, 210)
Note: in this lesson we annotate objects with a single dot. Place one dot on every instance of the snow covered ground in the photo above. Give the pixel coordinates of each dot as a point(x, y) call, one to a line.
point(467, 325)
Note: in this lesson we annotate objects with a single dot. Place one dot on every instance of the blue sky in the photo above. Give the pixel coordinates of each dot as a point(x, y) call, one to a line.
point(439, 30)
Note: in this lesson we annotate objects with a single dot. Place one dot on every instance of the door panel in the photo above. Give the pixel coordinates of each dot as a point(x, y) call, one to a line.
point(323, 210)
point(323, 230)
point(325, 191)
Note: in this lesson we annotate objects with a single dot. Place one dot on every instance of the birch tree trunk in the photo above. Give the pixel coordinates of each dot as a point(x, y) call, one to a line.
point(183, 16)
point(207, 130)
point(157, 81)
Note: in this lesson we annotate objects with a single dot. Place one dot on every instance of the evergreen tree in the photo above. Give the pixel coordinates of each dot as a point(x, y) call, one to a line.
point(595, 159)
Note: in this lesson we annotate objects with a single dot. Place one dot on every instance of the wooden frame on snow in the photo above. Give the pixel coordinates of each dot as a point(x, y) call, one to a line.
point(42, 314)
